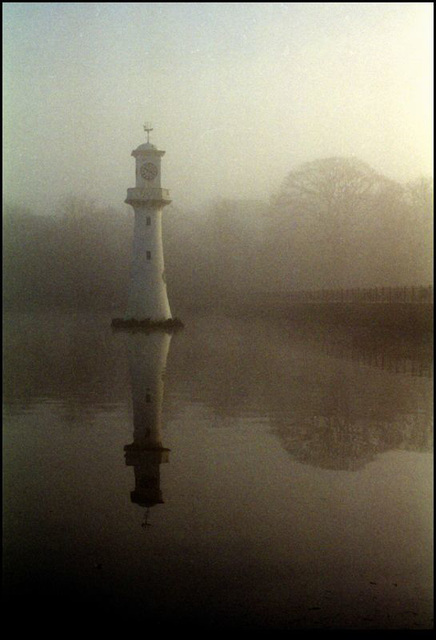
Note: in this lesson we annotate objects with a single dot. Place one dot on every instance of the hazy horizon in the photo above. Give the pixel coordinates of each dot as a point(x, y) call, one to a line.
point(238, 93)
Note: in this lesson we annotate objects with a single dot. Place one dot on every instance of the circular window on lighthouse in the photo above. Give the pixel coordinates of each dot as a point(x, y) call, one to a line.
point(148, 171)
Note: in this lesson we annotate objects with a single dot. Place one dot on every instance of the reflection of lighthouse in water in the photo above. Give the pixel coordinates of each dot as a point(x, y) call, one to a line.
point(147, 359)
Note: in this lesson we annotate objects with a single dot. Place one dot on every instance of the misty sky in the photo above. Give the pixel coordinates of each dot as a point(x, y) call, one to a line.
point(238, 93)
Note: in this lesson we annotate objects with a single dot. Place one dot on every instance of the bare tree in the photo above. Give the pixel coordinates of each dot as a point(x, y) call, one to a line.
point(331, 208)
point(330, 195)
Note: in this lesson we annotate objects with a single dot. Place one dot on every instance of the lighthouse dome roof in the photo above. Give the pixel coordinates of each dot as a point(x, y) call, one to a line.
point(146, 146)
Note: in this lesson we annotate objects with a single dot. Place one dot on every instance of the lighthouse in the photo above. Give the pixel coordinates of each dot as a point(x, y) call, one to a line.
point(148, 299)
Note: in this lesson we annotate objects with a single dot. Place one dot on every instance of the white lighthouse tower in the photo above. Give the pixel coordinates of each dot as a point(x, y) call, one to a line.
point(148, 299)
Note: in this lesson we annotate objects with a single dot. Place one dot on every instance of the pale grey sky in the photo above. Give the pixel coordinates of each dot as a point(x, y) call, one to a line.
point(239, 94)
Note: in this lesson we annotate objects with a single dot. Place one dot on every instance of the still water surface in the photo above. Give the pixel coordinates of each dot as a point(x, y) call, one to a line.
point(238, 474)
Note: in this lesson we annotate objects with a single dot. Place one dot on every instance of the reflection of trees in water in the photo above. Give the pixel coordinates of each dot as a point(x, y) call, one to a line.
point(70, 360)
point(326, 408)
point(353, 419)
point(313, 385)
point(342, 443)
point(405, 354)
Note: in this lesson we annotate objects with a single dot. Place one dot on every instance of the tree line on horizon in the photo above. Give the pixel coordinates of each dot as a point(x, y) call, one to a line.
point(334, 223)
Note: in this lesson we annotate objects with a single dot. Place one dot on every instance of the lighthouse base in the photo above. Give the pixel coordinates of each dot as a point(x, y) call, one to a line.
point(169, 325)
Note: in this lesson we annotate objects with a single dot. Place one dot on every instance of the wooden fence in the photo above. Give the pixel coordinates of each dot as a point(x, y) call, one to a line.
point(386, 295)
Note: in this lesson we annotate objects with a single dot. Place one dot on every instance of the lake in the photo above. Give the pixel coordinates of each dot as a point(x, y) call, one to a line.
point(241, 474)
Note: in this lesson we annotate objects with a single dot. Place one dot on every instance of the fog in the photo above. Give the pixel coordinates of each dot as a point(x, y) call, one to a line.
point(239, 94)
point(246, 99)
point(80, 257)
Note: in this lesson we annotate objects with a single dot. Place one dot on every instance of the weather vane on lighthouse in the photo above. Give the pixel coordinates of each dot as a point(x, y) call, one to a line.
point(148, 305)
point(148, 128)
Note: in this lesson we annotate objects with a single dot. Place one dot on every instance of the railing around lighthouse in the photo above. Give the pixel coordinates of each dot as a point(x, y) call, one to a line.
point(153, 194)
